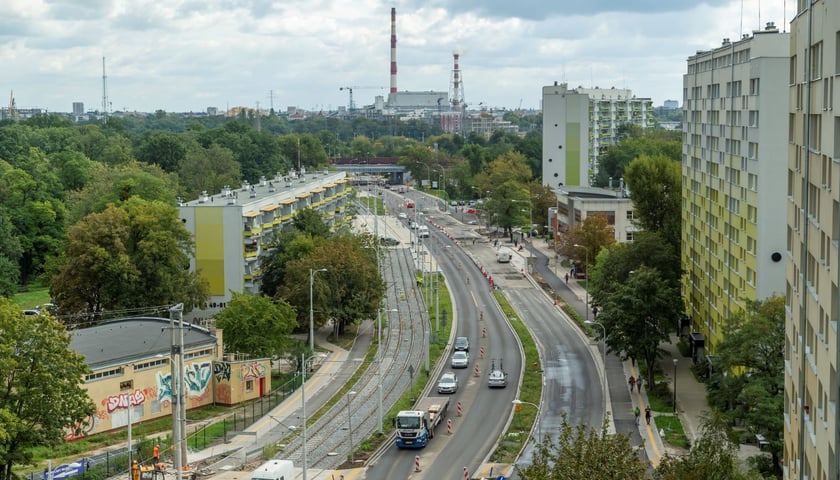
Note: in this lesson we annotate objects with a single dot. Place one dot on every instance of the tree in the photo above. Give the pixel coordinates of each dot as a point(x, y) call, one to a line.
point(289, 246)
point(130, 257)
point(638, 313)
point(10, 251)
point(583, 453)
point(163, 149)
point(208, 169)
point(713, 456)
point(748, 377)
point(310, 222)
point(655, 185)
point(593, 234)
point(40, 395)
point(256, 325)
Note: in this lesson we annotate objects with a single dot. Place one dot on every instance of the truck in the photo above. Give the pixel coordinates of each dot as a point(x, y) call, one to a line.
point(275, 470)
point(416, 427)
point(503, 256)
point(423, 231)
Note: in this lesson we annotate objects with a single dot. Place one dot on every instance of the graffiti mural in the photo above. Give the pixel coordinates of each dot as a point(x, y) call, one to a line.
point(164, 386)
point(197, 377)
point(124, 400)
point(222, 371)
point(80, 429)
point(252, 371)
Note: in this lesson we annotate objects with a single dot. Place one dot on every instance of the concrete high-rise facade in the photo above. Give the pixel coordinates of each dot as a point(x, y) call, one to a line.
point(733, 169)
point(812, 192)
point(579, 124)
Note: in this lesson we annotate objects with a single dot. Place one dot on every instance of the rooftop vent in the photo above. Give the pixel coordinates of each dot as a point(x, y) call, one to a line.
point(245, 186)
point(203, 197)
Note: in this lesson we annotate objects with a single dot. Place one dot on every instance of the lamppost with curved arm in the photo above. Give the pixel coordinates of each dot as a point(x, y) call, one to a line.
point(379, 369)
point(586, 275)
point(604, 361)
point(312, 273)
point(517, 401)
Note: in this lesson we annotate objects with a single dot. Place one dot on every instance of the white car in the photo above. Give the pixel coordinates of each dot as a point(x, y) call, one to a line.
point(402, 216)
point(460, 359)
point(448, 383)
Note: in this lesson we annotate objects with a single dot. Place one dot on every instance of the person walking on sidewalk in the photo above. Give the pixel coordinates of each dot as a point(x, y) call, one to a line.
point(639, 384)
point(647, 414)
point(637, 412)
point(631, 382)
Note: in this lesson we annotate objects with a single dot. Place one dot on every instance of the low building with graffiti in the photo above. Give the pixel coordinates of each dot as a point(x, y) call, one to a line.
point(131, 368)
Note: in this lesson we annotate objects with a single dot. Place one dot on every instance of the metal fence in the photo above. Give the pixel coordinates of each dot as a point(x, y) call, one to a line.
point(114, 462)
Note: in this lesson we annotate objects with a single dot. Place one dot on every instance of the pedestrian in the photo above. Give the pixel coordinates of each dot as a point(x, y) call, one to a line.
point(631, 382)
point(155, 455)
point(639, 384)
point(567, 278)
point(636, 413)
point(647, 414)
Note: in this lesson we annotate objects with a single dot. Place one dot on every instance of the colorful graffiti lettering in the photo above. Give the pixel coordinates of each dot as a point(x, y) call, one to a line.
point(252, 371)
point(222, 371)
point(197, 377)
point(80, 429)
point(164, 384)
point(123, 400)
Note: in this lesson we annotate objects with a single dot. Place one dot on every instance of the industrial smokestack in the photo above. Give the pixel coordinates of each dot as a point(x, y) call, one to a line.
point(456, 81)
point(393, 50)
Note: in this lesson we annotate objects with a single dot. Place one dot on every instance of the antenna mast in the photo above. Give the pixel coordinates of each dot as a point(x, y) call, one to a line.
point(104, 91)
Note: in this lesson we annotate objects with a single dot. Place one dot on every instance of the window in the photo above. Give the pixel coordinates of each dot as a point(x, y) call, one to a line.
point(752, 181)
point(714, 117)
point(628, 236)
point(629, 214)
point(754, 86)
point(792, 76)
point(249, 385)
point(753, 118)
point(753, 150)
point(114, 372)
point(815, 129)
point(816, 61)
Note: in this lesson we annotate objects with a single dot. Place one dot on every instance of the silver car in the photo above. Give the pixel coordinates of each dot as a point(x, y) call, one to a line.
point(448, 383)
point(460, 359)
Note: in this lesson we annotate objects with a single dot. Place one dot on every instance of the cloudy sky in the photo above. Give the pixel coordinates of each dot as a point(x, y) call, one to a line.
point(187, 55)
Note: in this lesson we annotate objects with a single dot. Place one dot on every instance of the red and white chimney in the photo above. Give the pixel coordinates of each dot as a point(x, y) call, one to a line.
point(393, 50)
point(456, 81)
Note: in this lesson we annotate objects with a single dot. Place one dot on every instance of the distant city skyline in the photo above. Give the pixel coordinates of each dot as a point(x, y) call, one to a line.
point(183, 56)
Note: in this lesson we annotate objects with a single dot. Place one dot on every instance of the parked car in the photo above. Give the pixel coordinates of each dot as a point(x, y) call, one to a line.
point(448, 383)
point(462, 343)
point(460, 359)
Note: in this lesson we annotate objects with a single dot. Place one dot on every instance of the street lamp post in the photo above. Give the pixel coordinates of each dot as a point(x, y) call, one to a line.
point(312, 273)
point(379, 370)
point(675, 386)
point(604, 361)
point(517, 401)
point(350, 425)
point(586, 276)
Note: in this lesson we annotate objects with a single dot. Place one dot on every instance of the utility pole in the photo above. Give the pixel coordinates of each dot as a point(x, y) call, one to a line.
point(176, 389)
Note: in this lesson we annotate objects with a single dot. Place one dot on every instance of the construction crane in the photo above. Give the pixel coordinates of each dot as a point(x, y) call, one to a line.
point(352, 105)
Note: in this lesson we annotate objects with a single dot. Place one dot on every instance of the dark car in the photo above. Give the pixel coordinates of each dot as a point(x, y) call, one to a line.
point(462, 343)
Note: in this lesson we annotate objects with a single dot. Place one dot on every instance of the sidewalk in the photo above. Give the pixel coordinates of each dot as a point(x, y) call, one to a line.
point(320, 387)
point(690, 394)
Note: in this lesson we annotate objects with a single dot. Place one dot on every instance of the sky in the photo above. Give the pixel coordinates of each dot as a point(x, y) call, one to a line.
point(187, 55)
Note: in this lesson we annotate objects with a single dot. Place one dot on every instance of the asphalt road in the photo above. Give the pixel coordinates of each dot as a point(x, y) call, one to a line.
point(473, 437)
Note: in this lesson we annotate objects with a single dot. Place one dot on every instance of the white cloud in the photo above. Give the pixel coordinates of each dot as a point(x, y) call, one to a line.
point(186, 55)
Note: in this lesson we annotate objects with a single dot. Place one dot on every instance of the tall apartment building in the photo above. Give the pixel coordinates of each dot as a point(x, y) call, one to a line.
point(235, 229)
point(579, 124)
point(812, 356)
point(733, 169)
